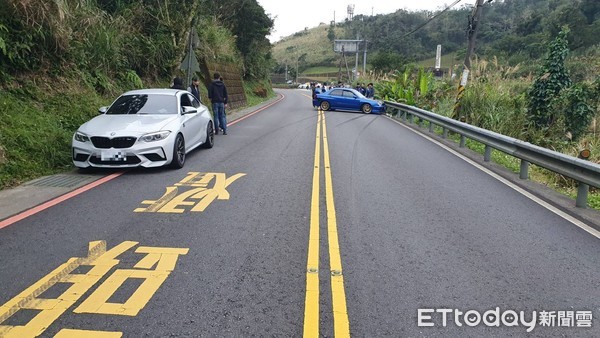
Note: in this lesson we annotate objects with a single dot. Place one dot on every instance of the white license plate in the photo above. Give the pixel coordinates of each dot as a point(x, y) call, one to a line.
point(113, 155)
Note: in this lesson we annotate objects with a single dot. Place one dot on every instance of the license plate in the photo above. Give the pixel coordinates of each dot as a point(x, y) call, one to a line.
point(113, 155)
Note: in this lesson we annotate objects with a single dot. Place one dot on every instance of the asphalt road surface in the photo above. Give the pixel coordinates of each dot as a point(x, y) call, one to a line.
point(301, 223)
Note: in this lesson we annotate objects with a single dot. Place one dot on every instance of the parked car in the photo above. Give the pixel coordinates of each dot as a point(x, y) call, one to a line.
point(347, 99)
point(147, 128)
point(304, 85)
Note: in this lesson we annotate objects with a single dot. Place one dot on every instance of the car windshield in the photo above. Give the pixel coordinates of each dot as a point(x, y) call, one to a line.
point(360, 95)
point(144, 104)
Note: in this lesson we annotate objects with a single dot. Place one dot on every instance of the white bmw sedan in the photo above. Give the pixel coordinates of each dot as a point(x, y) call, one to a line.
point(148, 128)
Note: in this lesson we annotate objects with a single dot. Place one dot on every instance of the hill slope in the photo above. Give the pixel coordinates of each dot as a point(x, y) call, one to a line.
point(515, 31)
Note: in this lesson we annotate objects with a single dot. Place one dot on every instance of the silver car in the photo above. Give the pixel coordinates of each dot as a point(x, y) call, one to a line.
point(148, 128)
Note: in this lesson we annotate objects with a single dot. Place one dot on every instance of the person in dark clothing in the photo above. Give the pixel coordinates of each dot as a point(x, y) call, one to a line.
point(370, 91)
point(194, 89)
point(177, 83)
point(217, 93)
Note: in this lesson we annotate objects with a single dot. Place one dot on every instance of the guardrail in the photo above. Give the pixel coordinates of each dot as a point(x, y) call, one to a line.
point(584, 172)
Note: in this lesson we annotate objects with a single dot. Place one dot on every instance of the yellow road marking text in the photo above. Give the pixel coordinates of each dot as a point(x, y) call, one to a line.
point(196, 199)
point(101, 262)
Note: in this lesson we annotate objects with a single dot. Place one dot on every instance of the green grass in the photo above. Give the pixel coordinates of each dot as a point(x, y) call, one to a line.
point(312, 43)
point(36, 135)
point(448, 61)
point(321, 70)
point(252, 98)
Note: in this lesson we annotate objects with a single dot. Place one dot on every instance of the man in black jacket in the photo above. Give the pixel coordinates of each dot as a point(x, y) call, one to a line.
point(217, 93)
point(194, 88)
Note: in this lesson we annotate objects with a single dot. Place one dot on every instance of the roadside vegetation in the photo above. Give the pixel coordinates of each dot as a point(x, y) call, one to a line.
point(61, 60)
point(556, 108)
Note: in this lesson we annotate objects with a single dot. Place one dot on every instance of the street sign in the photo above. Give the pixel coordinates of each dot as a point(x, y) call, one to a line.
point(346, 46)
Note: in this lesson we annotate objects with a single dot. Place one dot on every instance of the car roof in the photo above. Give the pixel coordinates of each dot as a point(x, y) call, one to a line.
point(154, 91)
point(349, 89)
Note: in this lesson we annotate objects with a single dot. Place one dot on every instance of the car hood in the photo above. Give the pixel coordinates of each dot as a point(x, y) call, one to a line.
point(119, 125)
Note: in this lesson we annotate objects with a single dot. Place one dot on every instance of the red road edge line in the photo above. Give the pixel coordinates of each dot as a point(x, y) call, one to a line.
point(20, 216)
point(55, 201)
point(256, 111)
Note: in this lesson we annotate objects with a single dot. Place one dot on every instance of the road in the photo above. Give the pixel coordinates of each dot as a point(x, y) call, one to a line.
point(271, 233)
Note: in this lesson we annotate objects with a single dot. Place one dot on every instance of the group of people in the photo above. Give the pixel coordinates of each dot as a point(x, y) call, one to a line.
point(368, 91)
point(217, 94)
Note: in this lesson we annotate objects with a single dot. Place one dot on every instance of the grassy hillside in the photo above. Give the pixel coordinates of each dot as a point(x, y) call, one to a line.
point(448, 61)
point(311, 47)
point(516, 32)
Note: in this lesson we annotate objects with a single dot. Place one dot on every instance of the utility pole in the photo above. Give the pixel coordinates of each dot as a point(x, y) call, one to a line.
point(365, 58)
point(356, 59)
point(474, 21)
point(472, 31)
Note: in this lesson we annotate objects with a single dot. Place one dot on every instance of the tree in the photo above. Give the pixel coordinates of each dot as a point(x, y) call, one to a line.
point(552, 78)
point(387, 61)
point(577, 103)
point(331, 32)
point(248, 21)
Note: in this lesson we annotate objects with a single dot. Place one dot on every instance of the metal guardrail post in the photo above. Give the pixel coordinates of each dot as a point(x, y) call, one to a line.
point(420, 123)
point(410, 118)
point(524, 173)
point(445, 133)
point(487, 155)
point(463, 141)
point(430, 127)
point(404, 113)
point(582, 195)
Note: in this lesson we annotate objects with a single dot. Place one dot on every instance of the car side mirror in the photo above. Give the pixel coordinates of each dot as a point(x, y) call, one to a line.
point(102, 110)
point(189, 110)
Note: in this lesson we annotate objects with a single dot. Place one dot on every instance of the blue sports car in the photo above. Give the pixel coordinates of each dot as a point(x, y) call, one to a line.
point(347, 99)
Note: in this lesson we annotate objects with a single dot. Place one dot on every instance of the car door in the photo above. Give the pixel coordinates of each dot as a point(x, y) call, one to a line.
point(336, 99)
point(351, 101)
point(191, 122)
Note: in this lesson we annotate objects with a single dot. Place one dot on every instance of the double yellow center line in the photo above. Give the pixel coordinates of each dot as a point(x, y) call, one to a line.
point(311, 303)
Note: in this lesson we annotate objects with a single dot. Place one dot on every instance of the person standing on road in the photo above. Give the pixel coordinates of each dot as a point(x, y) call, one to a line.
point(217, 93)
point(370, 91)
point(177, 83)
point(194, 89)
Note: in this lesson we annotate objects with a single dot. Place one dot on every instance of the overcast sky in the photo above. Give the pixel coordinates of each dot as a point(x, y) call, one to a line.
point(294, 16)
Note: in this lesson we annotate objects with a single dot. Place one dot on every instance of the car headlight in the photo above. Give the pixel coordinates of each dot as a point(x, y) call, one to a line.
point(161, 135)
point(81, 137)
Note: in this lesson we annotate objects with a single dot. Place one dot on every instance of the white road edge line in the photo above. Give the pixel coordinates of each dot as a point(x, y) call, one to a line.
point(520, 190)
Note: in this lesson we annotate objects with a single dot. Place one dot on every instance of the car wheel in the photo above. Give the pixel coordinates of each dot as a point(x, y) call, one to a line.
point(210, 136)
point(366, 108)
point(178, 152)
point(325, 105)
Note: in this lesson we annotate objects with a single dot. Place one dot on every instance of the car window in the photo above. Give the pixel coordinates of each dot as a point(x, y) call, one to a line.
point(195, 102)
point(336, 92)
point(185, 101)
point(143, 104)
point(348, 93)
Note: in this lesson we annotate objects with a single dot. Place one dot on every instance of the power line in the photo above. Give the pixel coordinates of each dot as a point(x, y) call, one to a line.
point(431, 19)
